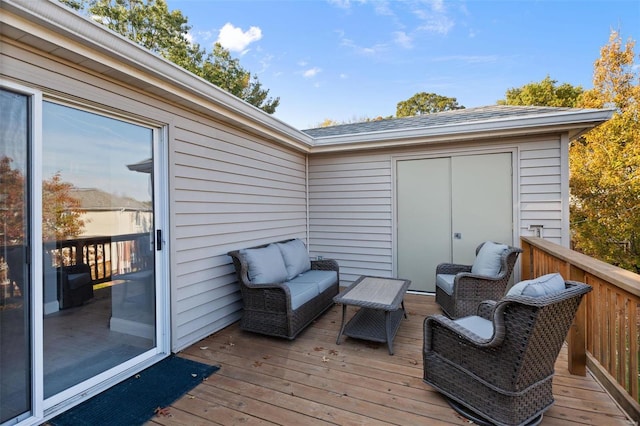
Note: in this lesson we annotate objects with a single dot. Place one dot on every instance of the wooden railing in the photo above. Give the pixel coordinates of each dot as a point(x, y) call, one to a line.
point(107, 256)
point(604, 336)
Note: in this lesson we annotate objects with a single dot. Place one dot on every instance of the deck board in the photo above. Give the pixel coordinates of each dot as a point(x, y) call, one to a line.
point(312, 380)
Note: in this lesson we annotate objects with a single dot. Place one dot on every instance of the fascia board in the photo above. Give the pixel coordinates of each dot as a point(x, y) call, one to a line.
point(97, 43)
point(578, 121)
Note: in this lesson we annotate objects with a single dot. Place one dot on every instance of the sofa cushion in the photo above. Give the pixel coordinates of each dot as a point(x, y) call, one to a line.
point(301, 293)
point(478, 325)
point(265, 265)
point(541, 286)
point(487, 261)
point(323, 279)
point(445, 282)
point(296, 258)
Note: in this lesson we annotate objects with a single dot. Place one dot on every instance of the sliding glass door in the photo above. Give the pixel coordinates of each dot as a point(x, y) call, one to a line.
point(79, 247)
point(15, 307)
point(98, 248)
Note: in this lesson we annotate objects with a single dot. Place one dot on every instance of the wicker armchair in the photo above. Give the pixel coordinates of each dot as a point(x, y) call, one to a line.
point(470, 289)
point(502, 371)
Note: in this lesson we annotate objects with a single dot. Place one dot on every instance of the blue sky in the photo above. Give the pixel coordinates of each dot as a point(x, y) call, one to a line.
point(346, 60)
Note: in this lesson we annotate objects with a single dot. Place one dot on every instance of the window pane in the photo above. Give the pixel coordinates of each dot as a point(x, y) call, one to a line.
point(15, 351)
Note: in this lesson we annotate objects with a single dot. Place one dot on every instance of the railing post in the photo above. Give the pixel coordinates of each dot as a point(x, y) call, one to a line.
point(526, 260)
point(577, 338)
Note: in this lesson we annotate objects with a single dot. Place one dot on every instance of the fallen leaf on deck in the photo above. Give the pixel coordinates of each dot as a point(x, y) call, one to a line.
point(325, 359)
point(318, 348)
point(257, 364)
point(165, 412)
point(204, 348)
point(194, 375)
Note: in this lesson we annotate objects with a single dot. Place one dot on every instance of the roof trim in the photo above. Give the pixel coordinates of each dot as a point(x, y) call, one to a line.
point(575, 122)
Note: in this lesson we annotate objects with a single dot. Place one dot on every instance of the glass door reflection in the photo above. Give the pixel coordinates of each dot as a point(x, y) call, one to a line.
point(98, 222)
point(15, 311)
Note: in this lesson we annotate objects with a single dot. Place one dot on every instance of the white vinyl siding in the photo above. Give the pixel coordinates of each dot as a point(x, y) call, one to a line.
point(350, 213)
point(230, 191)
point(541, 193)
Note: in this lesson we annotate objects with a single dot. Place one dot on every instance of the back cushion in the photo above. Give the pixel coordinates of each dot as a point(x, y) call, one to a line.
point(487, 261)
point(541, 286)
point(296, 258)
point(265, 265)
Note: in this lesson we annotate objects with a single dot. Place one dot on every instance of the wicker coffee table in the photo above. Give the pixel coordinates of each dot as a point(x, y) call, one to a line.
point(381, 302)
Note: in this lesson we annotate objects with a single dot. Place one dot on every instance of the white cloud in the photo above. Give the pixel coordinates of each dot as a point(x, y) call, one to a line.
point(311, 72)
point(345, 4)
point(437, 24)
point(402, 39)
point(236, 40)
point(435, 18)
point(436, 5)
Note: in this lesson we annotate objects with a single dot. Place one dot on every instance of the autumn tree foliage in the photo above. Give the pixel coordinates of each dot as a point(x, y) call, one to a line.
point(12, 195)
point(165, 32)
point(61, 211)
point(605, 163)
point(426, 103)
point(544, 93)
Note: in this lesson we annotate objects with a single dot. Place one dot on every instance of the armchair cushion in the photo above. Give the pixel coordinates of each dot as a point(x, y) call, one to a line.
point(445, 282)
point(265, 265)
point(487, 261)
point(479, 326)
point(296, 258)
point(541, 286)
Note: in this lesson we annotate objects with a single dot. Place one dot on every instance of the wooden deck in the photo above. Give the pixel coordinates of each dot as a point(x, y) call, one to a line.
point(311, 380)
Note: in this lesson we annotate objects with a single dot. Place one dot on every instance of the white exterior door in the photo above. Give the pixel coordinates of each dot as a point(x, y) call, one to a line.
point(446, 207)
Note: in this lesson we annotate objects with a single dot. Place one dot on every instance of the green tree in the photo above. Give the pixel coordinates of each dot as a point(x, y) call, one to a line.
point(544, 93)
point(605, 163)
point(152, 25)
point(426, 103)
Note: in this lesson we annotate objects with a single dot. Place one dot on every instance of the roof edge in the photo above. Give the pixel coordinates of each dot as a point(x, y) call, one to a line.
point(579, 120)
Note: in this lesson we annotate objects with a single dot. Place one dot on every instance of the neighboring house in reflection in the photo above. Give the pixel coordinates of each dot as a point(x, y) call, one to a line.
point(110, 214)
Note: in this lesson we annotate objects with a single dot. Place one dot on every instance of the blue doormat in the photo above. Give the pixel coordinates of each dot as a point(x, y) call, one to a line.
point(136, 400)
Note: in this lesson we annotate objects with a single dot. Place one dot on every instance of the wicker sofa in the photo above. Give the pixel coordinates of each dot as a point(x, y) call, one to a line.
point(282, 302)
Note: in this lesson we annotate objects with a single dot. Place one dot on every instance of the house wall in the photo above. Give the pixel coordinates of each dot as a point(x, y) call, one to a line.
point(227, 188)
point(351, 199)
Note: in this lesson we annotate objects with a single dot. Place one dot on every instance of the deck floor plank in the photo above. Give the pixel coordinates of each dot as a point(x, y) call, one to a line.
point(312, 380)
